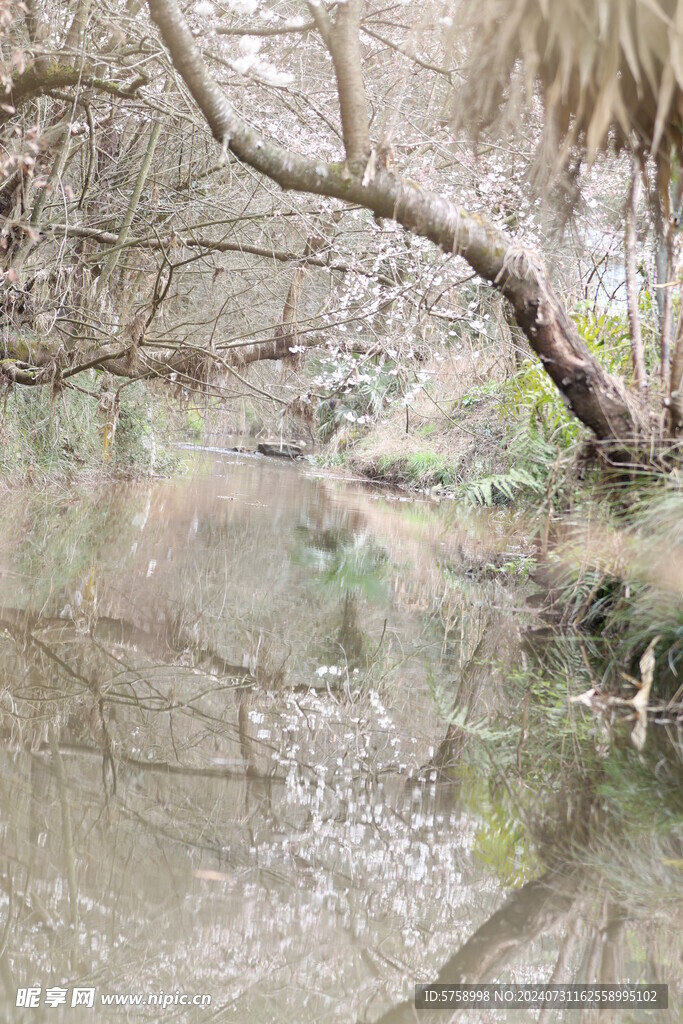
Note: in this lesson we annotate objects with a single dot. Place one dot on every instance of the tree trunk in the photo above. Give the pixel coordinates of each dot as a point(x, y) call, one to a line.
point(595, 397)
point(345, 50)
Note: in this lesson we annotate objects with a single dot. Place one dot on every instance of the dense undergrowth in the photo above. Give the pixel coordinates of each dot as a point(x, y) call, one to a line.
point(483, 429)
point(572, 806)
point(616, 579)
point(77, 432)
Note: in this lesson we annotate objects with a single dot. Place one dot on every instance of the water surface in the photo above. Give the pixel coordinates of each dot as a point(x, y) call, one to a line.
point(297, 745)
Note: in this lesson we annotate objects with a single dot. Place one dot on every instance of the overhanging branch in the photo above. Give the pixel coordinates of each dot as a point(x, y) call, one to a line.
point(43, 80)
point(212, 245)
point(596, 398)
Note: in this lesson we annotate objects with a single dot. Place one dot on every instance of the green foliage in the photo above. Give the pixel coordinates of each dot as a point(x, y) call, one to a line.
point(358, 568)
point(445, 703)
point(626, 783)
point(531, 397)
point(479, 394)
point(519, 567)
point(530, 455)
point(502, 845)
point(441, 695)
point(536, 419)
point(429, 467)
point(626, 611)
point(565, 788)
point(140, 445)
point(536, 423)
point(499, 487)
point(65, 537)
point(608, 336)
point(354, 565)
point(45, 434)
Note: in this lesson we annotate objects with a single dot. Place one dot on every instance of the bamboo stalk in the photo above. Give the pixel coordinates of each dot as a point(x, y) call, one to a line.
point(635, 331)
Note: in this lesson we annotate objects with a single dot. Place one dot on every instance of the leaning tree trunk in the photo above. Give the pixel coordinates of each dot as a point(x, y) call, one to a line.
point(594, 396)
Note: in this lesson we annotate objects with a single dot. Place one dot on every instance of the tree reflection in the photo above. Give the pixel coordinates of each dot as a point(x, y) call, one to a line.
point(608, 850)
point(188, 804)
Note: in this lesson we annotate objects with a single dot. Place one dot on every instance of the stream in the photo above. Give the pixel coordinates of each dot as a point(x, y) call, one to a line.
point(295, 745)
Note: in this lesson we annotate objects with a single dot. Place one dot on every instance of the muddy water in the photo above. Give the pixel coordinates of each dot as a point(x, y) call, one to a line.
point(295, 746)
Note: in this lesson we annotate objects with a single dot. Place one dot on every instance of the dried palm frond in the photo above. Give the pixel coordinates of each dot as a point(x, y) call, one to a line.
point(608, 70)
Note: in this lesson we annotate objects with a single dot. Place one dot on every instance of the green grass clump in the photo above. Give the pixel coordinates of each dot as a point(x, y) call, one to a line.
point(636, 600)
point(418, 469)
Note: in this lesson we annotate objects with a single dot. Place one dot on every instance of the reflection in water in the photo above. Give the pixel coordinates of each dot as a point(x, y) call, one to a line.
point(279, 741)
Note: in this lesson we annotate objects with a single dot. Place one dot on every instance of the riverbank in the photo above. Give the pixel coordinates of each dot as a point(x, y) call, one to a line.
point(481, 433)
point(606, 561)
point(474, 430)
point(91, 430)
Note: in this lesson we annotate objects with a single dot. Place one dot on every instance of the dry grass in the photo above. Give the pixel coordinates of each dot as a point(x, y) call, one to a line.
point(453, 429)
